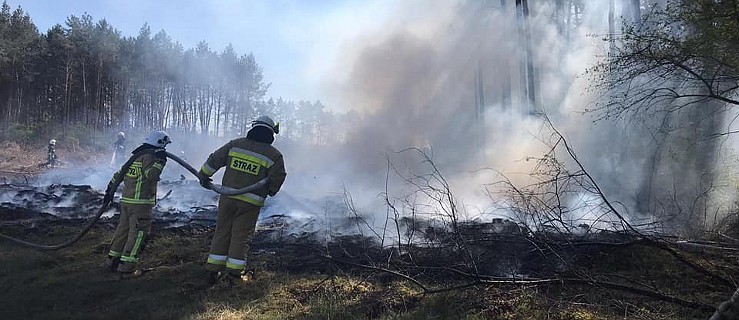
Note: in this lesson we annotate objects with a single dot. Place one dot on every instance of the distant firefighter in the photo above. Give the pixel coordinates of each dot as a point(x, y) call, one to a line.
point(51, 159)
point(247, 160)
point(119, 150)
point(137, 201)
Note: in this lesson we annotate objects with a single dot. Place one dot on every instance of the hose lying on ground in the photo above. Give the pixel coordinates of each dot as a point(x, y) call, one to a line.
point(124, 168)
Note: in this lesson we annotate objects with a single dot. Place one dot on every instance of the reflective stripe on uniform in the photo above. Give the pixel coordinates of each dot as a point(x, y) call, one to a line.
point(155, 165)
point(129, 259)
point(207, 169)
point(134, 171)
point(251, 156)
point(217, 259)
point(137, 201)
point(250, 198)
point(139, 182)
point(137, 245)
point(257, 185)
point(114, 254)
point(237, 264)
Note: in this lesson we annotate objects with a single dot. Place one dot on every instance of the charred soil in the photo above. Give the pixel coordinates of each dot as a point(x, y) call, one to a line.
point(349, 277)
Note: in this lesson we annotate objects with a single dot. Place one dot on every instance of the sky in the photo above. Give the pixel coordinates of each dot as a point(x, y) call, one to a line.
point(296, 42)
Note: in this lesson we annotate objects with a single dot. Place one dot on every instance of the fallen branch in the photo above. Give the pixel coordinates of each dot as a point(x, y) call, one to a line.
point(491, 280)
point(655, 242)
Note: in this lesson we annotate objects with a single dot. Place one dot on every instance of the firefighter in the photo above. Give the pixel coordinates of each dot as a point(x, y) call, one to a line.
point(137, 201)
point(247, 160)
point(51, 159)
point(119, 149)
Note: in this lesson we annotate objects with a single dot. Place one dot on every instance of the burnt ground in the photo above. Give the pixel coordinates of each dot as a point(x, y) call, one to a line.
point(300, 276)
point(482, 271)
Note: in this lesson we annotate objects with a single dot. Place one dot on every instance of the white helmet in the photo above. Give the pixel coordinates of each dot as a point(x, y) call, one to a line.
point(265, 121)
point(52, 142)
point(121, 134)
point(159, 139)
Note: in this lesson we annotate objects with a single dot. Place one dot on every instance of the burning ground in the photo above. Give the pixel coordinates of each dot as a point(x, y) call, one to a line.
point(471, 169)
point(307, 270)
point(350, 277)
point(326, 258)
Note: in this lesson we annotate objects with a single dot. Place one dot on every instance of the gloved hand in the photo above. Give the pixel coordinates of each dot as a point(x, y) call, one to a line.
point(204, 180)
point(108, 198)
point(109, 189)
point(109, 192)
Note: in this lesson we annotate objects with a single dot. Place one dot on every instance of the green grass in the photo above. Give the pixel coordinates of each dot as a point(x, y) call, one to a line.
point(69, 284)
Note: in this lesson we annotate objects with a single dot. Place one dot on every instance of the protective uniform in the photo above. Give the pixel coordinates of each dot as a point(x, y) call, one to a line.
point(137, 200)
point(247, 160)
point(51, 159)
point(119, 149)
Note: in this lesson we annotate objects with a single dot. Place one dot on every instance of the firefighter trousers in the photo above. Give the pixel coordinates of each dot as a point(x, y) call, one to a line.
point(130, 235)
point(231, 242)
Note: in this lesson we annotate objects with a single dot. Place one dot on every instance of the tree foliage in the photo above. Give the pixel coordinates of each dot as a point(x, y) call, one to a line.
point(679, 55)
point(676, 71)
point(86, 77)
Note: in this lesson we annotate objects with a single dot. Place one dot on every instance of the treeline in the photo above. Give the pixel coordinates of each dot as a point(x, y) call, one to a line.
point(86, 78)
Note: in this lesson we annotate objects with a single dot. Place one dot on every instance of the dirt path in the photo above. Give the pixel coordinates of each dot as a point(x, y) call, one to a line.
point(17, 161)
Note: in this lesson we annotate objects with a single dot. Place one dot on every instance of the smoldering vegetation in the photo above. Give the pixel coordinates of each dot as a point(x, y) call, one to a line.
point(483, 143)
point(474, 85)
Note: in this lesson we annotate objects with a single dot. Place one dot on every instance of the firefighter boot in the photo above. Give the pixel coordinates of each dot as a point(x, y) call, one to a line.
point(129, 270)
point(232, 279)
point(111, 264)
point(235, 279)
point(248, 275)
point(212, 277)
point(126, 267)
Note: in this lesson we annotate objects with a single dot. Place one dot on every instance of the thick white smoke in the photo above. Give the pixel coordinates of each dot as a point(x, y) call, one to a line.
point(415, 79)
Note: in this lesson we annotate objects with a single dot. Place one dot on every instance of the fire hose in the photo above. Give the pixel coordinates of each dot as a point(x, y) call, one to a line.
point(222, 190)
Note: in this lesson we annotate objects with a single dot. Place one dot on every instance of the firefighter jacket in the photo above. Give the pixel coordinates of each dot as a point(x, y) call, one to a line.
point(248, 161)
point(119, 145)
point(51, 154)
point(140, 182)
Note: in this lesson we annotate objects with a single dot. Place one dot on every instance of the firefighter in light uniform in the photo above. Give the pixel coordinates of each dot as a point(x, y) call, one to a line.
point(137, 201)
point(247, 160)
point(51, 158)
point(119, 150)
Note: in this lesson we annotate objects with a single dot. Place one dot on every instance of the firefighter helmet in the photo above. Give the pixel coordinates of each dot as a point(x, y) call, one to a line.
point(52, 142)
point(159, 139)
point(121, 135)
point(265, 121)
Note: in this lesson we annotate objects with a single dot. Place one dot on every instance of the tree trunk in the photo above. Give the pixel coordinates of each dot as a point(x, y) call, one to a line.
point(523, 83)
point(505, 72)
point(529, 79)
